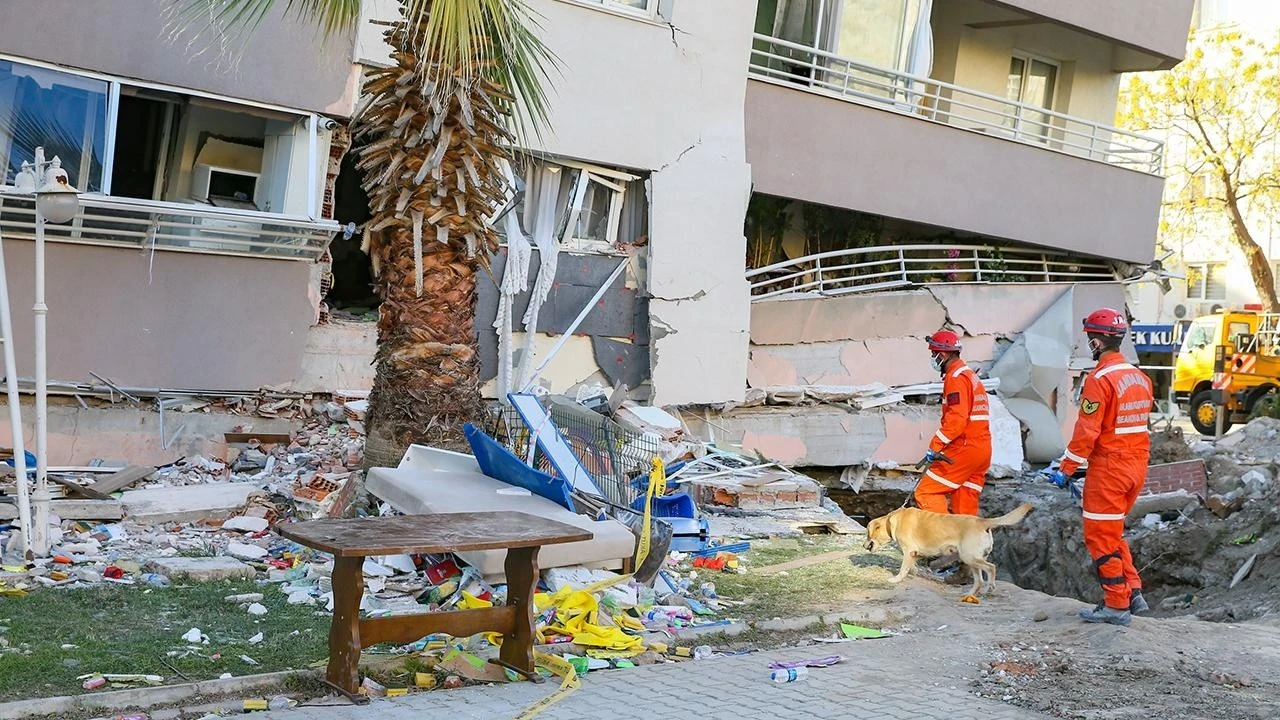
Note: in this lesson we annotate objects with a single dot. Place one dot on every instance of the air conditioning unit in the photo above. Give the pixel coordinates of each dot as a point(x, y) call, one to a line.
point(1180, 311)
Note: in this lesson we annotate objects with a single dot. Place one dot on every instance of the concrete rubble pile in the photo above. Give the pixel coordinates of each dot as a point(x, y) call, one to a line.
point(203, 517)
point(1206, 547)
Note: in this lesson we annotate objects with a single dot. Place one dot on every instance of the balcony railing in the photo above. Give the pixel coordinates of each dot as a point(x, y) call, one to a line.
point(793, 64)
point(125, 222)
point(890, 267)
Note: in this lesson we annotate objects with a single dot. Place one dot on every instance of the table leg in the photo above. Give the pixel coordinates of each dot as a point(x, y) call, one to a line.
point(344, 630)
point(522, 582)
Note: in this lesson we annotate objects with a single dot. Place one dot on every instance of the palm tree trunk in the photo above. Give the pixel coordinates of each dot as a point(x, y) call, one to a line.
point(432, 154)
point(427, 382)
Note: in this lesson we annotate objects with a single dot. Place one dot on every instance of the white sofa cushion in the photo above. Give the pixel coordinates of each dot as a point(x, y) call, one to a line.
point(430, 481)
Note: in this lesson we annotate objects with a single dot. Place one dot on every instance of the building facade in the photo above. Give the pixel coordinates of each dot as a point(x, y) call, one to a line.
point(962, 148)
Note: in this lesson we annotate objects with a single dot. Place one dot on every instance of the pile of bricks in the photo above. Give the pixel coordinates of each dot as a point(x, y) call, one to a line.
point(794, 492)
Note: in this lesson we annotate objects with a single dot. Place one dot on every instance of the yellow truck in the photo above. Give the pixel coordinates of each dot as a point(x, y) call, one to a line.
point(1252, 363)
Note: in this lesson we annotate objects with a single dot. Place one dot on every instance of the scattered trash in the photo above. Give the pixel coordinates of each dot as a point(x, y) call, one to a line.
point(194, 636)
point(256, 639)
point(257, 609)
point(248, 660)
point(857, 632)
point(813, 663)
point(789, 675)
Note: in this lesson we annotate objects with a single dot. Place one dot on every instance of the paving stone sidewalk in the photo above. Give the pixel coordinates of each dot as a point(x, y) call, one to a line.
point(898, 678)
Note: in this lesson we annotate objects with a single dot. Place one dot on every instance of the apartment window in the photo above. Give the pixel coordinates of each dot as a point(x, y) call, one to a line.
point(873, 32)
point(123, 140)
point(1032, 81)
point(589, 208)
point(1207, 281)
point(64, 113)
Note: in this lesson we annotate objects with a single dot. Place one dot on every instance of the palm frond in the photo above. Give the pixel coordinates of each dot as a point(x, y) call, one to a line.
point(497, 40)
point(226, 17)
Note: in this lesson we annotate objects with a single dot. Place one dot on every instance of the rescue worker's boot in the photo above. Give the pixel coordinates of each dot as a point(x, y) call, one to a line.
point(1137, 603)
point(1104, 614)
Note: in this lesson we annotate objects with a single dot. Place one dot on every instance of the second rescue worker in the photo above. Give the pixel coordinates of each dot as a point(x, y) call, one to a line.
point(964, 437)
point(1111, 437)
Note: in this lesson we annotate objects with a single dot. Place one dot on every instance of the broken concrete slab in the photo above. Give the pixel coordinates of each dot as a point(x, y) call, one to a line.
point(202, 569)
point(190, 503)
point(74, 510)
point(776, 490)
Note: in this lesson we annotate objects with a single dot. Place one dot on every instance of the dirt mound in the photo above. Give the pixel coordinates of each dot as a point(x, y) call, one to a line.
point(1169, 445)
point(1188, 558)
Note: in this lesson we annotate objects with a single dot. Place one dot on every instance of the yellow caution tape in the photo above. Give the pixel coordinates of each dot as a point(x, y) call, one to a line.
point(561, 668)
point(657, 478)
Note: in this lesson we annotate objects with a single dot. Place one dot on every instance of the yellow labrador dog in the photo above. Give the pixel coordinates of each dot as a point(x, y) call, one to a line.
point(928, 534)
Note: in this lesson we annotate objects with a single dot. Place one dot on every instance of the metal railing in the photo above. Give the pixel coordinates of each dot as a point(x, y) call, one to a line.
point(886, 267)
point(123, 222)
point(794, 64)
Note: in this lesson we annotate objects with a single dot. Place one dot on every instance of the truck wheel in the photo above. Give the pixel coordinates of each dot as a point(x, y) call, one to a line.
point(1204, 414)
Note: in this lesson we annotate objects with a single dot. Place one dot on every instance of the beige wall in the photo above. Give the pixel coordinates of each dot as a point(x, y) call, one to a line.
point(1157, 26)
point(979, 59)
point(800, 146)
point(283, 63)
point(175, 320)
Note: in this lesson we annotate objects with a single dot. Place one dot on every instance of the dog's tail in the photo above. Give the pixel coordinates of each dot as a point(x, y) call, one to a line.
point(1012, 518)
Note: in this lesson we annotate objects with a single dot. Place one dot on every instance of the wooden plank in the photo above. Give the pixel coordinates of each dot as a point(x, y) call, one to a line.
point(122, 479)
point(75, 488)
point(264, 438)
point(803, 562)
point(431, 534)
point(74, 510)
point(460, 623)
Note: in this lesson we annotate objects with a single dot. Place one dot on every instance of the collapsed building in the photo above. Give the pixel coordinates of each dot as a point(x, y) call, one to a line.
point(983, 188)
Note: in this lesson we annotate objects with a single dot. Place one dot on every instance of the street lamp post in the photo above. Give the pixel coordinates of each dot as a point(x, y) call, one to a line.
point(56, 202)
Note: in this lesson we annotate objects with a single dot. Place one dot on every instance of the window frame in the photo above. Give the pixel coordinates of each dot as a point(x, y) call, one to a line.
point(1202, 295)
point(115, 84)
point(652, 13)
point(1019, 124)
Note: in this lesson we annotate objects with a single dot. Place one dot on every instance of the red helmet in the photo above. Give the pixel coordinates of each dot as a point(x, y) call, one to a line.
point(1106, 322)
point(944, 341)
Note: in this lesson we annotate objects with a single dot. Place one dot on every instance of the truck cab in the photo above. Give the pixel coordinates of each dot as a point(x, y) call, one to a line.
point(1253, 363)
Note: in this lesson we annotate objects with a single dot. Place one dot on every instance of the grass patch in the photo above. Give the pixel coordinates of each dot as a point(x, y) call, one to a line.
point(823, 587)
point(128, 629)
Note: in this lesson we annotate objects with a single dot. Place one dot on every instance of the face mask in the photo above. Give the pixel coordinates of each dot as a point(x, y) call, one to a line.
point(1097, 348)
point(938, 360)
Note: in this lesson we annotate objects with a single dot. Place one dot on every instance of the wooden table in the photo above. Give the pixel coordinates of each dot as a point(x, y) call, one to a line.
point(351, 541)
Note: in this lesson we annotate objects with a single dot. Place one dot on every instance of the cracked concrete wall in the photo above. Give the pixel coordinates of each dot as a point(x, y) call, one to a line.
point(879, 337)
point(668, 97)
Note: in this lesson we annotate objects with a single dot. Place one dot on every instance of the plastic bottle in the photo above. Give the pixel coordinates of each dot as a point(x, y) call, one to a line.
point(789, 675)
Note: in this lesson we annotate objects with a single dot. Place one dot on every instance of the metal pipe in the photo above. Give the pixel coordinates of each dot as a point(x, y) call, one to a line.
point(40, 501)
point(15, 409)
point(574, 325)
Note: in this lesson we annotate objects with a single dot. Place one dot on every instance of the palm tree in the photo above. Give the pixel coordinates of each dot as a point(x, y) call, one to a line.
point(432, 136)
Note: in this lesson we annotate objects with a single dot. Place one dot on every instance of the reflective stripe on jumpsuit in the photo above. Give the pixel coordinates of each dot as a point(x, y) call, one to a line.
point(965, 437)
point(1111, 434)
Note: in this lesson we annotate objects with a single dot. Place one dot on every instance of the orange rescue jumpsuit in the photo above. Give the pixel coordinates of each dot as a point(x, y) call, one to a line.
point(1111, 438)
point(965, 437)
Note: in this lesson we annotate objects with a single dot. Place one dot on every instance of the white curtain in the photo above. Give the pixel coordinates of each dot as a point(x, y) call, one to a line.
point(545, 223)
point(919, 54)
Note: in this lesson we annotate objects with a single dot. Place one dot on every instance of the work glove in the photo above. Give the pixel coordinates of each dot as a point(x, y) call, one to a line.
point(929, 458)
point(1058, 478)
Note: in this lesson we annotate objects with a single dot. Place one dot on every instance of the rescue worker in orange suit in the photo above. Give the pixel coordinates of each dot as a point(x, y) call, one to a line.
point(1111, 439)
point(964, 436)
